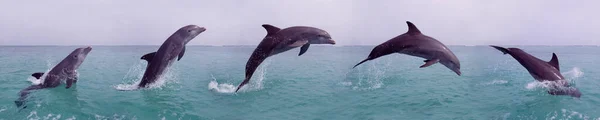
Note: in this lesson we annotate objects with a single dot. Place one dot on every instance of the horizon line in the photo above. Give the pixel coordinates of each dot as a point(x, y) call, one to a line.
point(257, 45)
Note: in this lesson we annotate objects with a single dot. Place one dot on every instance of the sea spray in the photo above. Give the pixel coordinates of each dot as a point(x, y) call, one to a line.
point(256, 82)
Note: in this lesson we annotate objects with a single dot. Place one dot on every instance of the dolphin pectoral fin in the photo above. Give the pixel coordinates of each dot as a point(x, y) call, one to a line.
point(503, 50)
point(429, 63)
point(303, 49)
point(181, 54)
point(554, 61)
point(37, 75)
point(298, 43)
point(148, 57)
point(242, 84)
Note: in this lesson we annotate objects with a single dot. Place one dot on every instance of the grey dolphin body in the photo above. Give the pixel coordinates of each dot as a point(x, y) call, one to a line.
point(542, 71)
point(414, 43)
point(173, 47)
point(65, 70)
point(280, 40)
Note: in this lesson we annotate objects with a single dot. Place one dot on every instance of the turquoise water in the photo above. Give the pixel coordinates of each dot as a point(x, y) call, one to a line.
point(320, 84)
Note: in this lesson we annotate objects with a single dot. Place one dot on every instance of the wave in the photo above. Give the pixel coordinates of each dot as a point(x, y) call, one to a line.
point(136, 73)
point(33, 115)
point(568, 114)
point(256, 82)
point(496, 82)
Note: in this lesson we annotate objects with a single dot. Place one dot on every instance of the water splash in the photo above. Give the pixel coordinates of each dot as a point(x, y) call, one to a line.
point(221, 88)
point(136, 73)
point(570, 76)
point(256, 82)
point(573, 74)
point(35, 81)
point(370, 79)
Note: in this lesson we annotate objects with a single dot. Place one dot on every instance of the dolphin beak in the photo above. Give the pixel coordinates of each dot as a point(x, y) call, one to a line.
point(201, 29)
point(88, 48)
point(330, 41)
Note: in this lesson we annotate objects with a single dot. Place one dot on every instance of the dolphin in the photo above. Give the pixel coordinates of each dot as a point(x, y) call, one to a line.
point(280, 40)
point(542, 71)
point(65, 70)
point(414, 43)
point(173, 47)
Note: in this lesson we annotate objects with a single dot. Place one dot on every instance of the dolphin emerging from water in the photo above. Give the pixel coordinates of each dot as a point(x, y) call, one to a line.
point(172, 48)
point(542, 71)
point(65, 70)
point(280, 40)
point(414, 43)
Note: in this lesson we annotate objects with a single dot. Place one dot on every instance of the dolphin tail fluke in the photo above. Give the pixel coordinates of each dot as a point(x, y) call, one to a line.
point(242, 84)
point(360, 63)
point(23, 94)
point(503, 50)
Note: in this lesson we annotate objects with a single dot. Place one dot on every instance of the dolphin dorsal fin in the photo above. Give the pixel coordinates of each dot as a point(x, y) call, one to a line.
point(148, 57)
point(412, 28)
point(554, 61)
point(271, 30)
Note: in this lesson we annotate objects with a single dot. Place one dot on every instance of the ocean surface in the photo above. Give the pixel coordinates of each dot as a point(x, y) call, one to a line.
point(320, 84)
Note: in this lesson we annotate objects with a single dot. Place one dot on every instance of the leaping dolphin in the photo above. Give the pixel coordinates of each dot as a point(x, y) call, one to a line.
point(65, 70)
point(173, 47)
point(414, 43)
point(542, 71)
point(280, 40)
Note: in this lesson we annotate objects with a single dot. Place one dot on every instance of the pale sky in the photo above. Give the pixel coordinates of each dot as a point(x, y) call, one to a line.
point(350, 22)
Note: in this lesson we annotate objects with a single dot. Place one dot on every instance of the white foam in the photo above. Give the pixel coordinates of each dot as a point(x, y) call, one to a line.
point(568, 114)
point(71, 118)
point(346, 83)
point(496, 82)
point(34, 81)
point(33, 115)
point(127, 87)
point(221, 88)
point(537, 84)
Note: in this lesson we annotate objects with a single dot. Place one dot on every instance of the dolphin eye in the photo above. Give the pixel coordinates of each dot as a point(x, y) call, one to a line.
point(75, 56)
point(189, 30)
